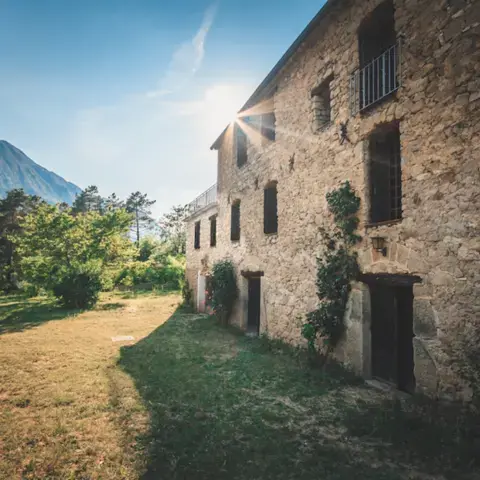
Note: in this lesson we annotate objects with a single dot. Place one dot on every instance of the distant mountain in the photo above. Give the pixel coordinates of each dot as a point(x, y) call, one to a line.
point(19, 171)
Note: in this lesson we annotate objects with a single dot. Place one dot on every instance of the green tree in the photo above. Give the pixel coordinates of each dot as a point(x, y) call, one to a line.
point(58, 249)
point(13, 208)
point(139, 205)
point(112, 202)
point(173, 229)
point(89, 200)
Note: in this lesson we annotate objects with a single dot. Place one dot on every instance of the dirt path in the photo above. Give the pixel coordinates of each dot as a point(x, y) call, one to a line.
point(66, 409)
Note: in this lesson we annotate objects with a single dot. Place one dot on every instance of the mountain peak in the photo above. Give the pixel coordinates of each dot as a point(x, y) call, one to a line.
point(17, 170)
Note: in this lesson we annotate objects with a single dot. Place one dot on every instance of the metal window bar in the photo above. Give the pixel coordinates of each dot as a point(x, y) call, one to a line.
point(206, 198)
point(376, 80)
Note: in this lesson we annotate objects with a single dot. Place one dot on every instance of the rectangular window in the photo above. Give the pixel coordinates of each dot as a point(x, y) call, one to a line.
point(213, 231)
point(268, 126)
point(235, 222)
point(385, 175)
point(322, 109)
point(241, 141)
point(196, 243)
point(270, 217)
point(379, 53)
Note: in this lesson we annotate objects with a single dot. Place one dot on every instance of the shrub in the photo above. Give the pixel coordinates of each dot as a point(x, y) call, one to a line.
point(79, 287)
point(224, 289)
point(30, 289)
point(168, 273)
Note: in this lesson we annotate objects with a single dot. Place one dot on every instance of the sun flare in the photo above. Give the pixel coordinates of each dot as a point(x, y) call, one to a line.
point(223, 102)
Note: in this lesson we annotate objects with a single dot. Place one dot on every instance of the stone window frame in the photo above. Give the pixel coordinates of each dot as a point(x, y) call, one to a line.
point(367, 154)
point(269, 226)
point(321, 98)
point(196, 235)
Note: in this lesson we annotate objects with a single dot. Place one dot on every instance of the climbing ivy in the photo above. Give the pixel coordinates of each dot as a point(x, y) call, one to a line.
point(336, 268)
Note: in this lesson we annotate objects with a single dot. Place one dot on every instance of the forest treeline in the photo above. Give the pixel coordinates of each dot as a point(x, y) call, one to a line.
point(74, 252)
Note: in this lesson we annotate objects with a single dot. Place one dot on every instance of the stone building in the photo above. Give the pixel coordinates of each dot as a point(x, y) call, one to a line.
point(385, 94)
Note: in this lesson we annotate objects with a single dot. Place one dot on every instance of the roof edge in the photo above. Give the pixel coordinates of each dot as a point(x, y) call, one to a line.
point(280, 64)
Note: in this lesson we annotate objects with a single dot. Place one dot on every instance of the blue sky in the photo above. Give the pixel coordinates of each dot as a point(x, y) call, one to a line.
point(130, 94)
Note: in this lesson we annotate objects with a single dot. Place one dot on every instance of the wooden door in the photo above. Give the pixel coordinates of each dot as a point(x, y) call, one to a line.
point(254, 295)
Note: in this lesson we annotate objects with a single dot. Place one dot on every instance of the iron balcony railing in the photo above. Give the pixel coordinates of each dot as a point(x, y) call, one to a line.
point(206, 198)
point(376, 80)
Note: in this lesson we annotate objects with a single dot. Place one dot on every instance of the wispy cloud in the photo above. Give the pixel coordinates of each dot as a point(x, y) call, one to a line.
point(152, 141)
point(186, 59)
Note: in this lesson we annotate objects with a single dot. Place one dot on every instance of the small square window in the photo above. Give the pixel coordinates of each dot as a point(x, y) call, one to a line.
point(268, 126)
point(322, 109)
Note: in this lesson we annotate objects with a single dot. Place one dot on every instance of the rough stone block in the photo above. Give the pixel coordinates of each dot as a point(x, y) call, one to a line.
point(424, 319)
point(422, 290)
point(402, 255)
point(440, 277)
point(425, 370)
point(356, 305)
point(416, 264)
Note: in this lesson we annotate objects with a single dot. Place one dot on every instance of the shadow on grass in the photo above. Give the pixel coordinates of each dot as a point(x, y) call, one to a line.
point(224, 406)
point(21, 313)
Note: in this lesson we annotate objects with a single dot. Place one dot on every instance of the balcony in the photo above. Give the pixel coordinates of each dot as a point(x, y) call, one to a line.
point(378, 79)
point(207, 198)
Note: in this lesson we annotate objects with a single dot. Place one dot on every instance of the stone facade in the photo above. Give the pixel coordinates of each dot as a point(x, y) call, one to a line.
point(437, 109)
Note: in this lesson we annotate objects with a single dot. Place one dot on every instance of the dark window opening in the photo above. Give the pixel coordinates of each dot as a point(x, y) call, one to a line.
point(241, 138)
point(377, 33)
point(392, 335)
point(385, 175)
point(196, 242)
point(379, 53)
point(213, 231)
point(270, 215)
point(268, 126)
point(322, 109)
point(235, 222)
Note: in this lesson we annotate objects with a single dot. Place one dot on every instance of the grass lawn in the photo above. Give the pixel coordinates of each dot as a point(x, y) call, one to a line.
point(188, 399)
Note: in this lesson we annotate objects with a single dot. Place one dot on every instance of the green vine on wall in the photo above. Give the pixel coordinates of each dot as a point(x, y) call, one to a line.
point(224, 291)
point(336, 269)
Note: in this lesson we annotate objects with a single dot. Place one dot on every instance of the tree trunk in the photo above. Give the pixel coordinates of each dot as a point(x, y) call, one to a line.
point(138, 227)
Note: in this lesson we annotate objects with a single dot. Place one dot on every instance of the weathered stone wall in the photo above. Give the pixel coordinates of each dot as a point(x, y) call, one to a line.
point(198, 260)
point(438, 110)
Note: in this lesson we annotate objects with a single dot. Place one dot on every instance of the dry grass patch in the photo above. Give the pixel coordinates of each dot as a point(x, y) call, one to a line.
point(67, 410)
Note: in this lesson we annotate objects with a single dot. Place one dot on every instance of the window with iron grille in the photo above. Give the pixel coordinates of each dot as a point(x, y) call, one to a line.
point(322, 110)
point(241, 141)
point(385, 173)
point(213, 231)
point(235, 222)
point(270, 216)
point(196, 242)
point(379, 74)
point(268, 126)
